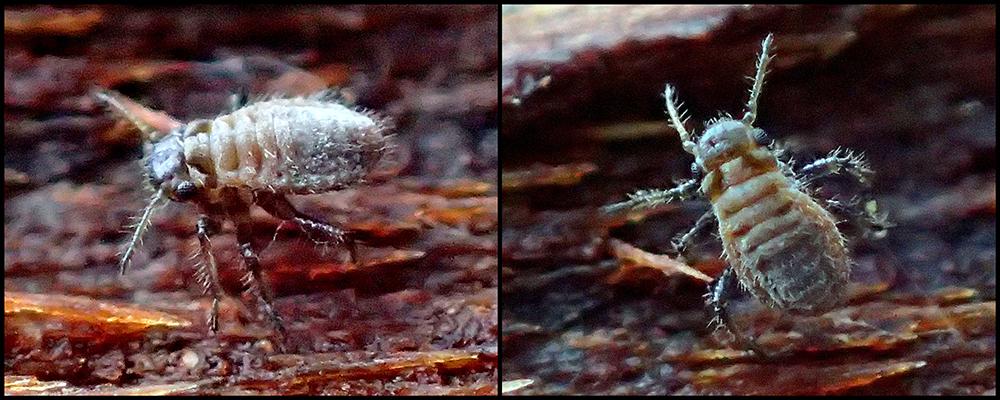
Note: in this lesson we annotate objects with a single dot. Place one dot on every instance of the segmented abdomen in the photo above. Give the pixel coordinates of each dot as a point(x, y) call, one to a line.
point(784, 247)
point(300, 145)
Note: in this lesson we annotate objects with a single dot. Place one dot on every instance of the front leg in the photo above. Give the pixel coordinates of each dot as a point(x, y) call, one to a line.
point(654, 197)
point(208, 271)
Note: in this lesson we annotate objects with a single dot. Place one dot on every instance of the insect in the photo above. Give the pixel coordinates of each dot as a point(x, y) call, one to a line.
point(780, 243)
point(256, 154)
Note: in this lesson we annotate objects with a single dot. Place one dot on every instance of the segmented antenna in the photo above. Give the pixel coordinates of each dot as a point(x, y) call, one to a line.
point(758, 80)
point(140, 229)
point(154, 125)
point(114, 100)
point(677, 119)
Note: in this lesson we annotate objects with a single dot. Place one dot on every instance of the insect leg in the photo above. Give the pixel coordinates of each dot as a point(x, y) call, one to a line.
point(721, 291)
point(254, 280)
point(681, 243)
point(654, 197)
point(280, 207)
point(864, 214)
point(235, 206)
point(836, 162)
point(209, 272)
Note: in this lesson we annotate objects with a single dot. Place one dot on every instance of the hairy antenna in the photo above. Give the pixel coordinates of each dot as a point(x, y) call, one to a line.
point(270, 149)
point(140, 228)
point(153, 124)
point(758, 80)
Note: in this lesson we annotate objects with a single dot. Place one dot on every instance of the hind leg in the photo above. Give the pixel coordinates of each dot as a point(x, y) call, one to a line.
point(858, 211)
point(280, 207)
point(720, 292)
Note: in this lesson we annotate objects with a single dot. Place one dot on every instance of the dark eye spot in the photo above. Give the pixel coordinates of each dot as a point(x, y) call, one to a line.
point(185, 191)
point(760, 137)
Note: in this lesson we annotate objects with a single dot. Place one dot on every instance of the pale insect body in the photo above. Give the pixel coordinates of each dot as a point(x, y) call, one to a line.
point(254, 155)
point(780, 243)
point(298, 145)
